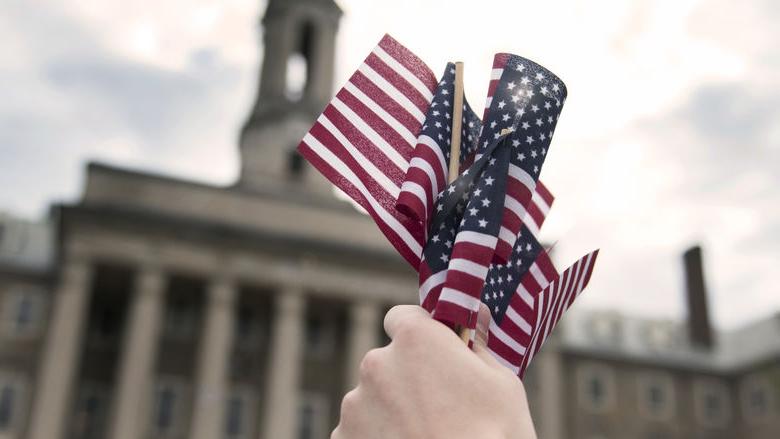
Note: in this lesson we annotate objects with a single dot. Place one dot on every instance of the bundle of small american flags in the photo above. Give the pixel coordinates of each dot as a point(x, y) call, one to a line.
point(384, 140)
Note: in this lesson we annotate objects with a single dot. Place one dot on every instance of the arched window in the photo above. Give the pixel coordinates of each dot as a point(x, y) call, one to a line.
point(299, 64)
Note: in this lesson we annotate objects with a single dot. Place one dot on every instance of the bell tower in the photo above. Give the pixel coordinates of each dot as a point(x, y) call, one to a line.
point(299, 39)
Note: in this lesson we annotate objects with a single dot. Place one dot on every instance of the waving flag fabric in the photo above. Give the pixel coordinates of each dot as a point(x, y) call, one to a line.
point(366, 136)
point(384, 140)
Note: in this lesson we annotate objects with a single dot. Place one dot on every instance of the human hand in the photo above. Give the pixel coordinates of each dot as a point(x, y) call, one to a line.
point(427, 384)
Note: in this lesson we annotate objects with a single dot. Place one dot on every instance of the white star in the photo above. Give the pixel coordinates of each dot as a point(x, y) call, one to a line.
point(515, 143)
point(444, 257)
point(477, 192)
point(555, 87)
point(489, 181)
point(515, 98)
point(539, 122)
point(526, 125)
point(524, 80)
point(438, 124)
point(448, 243)
point(439, 208)
point(530, 93)
point(473, 211)
point(482, 223)
point(445, 92)
point(505, 117)
point(485, 202)
point(528, 247)
point(451, 189)
point(534, 108)
point(493, 161)
point(521, 156)
point(511, 85)
point(493, 124)
point(520, 68)
point(533, 153)
point(543, 90)
point(501, 104)
point(509, 278)
point(542, 137)
point(547, 105)
point(536, 169)
point(539, 76)
point(435, 238)
point(529, 140)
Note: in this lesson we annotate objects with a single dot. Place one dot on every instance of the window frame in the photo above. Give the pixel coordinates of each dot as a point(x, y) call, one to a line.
point(19, 408)
point(701, 388)
point(585, 373)
point(746, 386)
point(645, 380)
point(11, 301)
point(180, 408)
point(321, 405)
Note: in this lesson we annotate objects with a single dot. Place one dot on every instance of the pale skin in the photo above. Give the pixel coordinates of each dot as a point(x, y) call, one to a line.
point(427, 384)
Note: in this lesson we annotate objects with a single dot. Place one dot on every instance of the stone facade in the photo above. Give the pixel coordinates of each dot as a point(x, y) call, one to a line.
point(161, 308)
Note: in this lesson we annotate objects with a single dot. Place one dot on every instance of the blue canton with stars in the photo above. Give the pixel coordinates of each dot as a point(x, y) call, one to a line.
point(438, 121)
point(502, 279)
point(528, 99)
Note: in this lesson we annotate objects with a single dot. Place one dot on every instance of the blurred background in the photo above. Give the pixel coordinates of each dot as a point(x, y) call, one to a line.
point(171, 268)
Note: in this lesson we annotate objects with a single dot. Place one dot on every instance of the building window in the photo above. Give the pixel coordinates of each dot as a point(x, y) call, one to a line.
point(656, 396)
point(23, 313)
point(757, 398)
point(320, 336)
point(596, 387)
point(605, 329)
point(90, 417)
point(711, 402)
point(180, 320)
point(249, 329)
point(8, 399)
point(313, 416)
point(169, 399)
point(239, 414)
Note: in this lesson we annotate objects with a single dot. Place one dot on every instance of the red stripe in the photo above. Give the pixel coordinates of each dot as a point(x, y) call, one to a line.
point(504, 351)
point(452, 314)
point(408, 202)
point(545, 193)
point(385, 131)
point(386, 102)
point(546, 266)
point(409, 60)
point(391, 76)
point(535, 215)
point(368, 148)
point(503, 252)
point(464, 282)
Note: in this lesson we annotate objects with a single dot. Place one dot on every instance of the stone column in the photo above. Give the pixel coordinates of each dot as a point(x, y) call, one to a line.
point(136, 367)
point(212, 379)
point(281, 407)
point(363, 336)
point(550, 382)
point(62, 351)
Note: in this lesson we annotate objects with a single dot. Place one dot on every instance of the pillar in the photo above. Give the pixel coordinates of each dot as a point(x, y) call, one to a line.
point(139, 350)
point(363, 336)
point(61, 352)
point(281, 405)
point(212, 377)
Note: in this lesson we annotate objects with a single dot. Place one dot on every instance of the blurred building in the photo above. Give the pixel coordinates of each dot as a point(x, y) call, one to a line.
point(161, 308)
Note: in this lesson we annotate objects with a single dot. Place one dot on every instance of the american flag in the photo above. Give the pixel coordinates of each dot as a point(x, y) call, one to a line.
point(526, 98)
point(366, 136)
point(384, 140)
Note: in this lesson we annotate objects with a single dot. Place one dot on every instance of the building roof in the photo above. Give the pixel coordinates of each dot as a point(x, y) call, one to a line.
point(25, 245)
point(666, 343)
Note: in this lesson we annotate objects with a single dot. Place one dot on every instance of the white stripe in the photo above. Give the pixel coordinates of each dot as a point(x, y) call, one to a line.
point(459, 298)
point(468, 267)
point(391, 91)
point(336, 163)
point(512, 204)
point(365, 163)
point(488, 101)
point(506, 339)
point(372, 135)
point(404, 72)
point(477, 238)
point(525, 295)
point(430, 143)
point(518, 320)
point(432, 282)
point(523, 177)
point(496, 74)
point(507, 236)
point(416, 190)
point(504, 363)
point(540, 203)
point(420, 163)
point(382, 113)
point(536, 272)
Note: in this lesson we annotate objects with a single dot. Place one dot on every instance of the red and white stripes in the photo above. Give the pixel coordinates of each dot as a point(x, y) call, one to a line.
point(364, 140)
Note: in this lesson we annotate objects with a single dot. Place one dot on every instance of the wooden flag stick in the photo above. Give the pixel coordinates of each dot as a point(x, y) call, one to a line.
point(457, 120)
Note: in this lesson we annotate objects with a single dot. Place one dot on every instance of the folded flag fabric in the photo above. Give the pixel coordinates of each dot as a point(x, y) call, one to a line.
point(384, 140)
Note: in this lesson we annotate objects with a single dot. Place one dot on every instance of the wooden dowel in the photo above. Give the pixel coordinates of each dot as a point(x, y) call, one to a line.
point(457, 123)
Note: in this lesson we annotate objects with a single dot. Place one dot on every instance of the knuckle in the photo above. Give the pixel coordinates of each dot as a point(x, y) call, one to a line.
point(348, 405)
point(370, 365)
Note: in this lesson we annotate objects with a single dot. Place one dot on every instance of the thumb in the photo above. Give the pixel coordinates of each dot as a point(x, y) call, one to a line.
point(483, 323)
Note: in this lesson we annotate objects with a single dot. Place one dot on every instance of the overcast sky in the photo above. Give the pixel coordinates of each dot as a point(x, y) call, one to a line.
point(670, 135)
